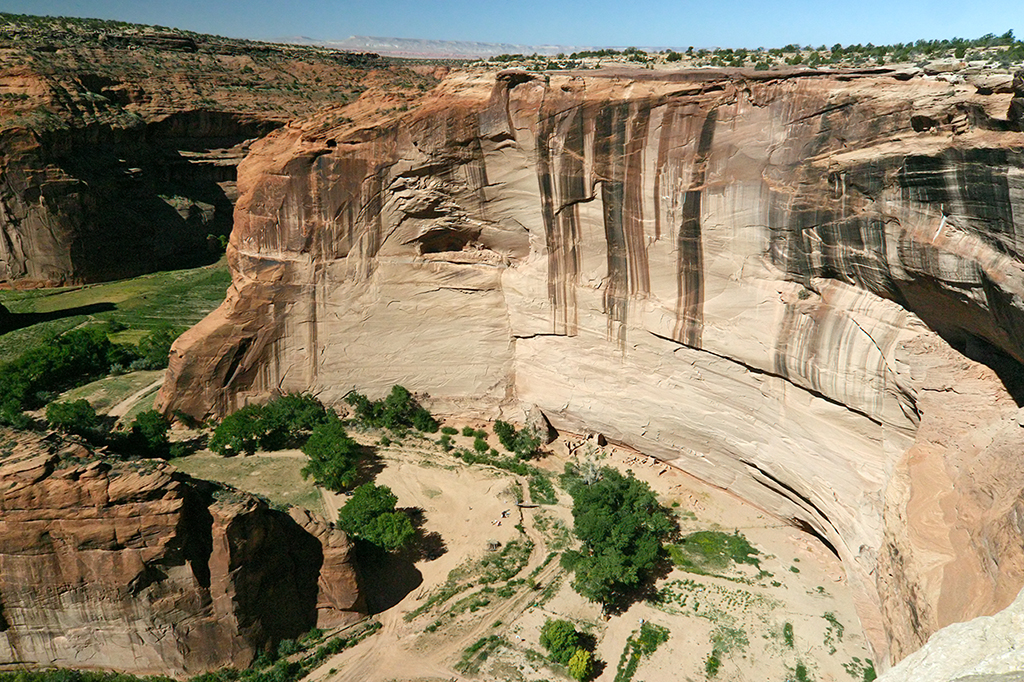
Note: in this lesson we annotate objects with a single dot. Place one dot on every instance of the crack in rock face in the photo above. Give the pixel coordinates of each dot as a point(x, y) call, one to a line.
point(808, 290)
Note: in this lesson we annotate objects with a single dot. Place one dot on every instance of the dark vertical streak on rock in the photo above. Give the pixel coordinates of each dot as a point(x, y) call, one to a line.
point(664, 145)
point(571, 191)
point(610, 145)
point(633, 218)
point(690, 311)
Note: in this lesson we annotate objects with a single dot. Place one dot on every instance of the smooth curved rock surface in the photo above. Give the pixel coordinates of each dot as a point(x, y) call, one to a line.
point(807, 289)
point(138, 568)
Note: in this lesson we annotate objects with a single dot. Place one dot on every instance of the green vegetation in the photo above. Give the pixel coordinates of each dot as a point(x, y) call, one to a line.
point(478, 652)
point(148, 434)
point(708, 552)
point(268, 667)
point(862, 670)
point(523, 442)
point(137, 307)
point(370, 515)
point(787, 634)
point(581, 665)
point(41, 372)
point(333, 456)
point(284, 421)
point(76, 416)
point(541, 490)
point(641, 644)
point(561, 640)
point(833, 633)
point(398, 411)
point(621, 525)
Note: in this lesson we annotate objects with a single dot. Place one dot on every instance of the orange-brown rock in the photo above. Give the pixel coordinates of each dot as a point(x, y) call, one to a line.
point(136, 567)
point(807, 288)
point(119, 144)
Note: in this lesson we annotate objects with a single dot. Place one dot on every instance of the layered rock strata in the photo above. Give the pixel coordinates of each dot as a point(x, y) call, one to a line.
point(138, 568)
point(806, 288)
point(119, 148)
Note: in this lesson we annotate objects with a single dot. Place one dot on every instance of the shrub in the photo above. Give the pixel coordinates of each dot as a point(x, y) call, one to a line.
point(480, 445)
point(333, 455)
point(287, 419)
point(77, 417)
point(523, 443)
point(581, 665)
point(69, 360)
point(449, 430)
point(399, 410)
point(561, 640)
point(284, 421)
point(468, 431)
point(155, 347)
point(371, 516)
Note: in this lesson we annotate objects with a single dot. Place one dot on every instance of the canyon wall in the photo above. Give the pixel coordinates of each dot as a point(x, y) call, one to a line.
point(138, 568)
point(806, 288)
point(119, 145)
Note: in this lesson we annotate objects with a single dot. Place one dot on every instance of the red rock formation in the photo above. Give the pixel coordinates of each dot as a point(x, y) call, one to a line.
point(808, 289)
point(136, 567)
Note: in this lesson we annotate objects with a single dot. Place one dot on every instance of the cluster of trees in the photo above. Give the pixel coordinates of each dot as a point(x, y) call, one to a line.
point(523, 442)
point(398, 412)
point(565, 646)
point(69, 360)
point(285, 421)
point(334, 457)
point(145, 437)
point(371, 516)
point(621, 527)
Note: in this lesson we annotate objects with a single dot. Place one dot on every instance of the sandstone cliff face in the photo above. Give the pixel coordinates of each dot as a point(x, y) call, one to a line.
point(806, 289)
point(118, 149)
point(136, 567)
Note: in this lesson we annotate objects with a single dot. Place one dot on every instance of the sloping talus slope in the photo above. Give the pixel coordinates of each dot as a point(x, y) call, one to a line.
point(807, 289)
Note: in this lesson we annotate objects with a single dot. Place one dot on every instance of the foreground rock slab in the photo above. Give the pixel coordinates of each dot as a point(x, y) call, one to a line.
point(133, 566)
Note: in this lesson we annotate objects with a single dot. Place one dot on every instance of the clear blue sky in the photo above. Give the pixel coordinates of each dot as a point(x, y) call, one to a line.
point(702, 23)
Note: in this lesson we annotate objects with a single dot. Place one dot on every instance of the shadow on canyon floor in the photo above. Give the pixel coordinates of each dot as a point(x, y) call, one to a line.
point(10, 321)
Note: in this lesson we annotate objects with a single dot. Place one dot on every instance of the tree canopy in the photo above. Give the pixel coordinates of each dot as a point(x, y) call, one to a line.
point(371, 516)
point(621, 526)
point(333, 455)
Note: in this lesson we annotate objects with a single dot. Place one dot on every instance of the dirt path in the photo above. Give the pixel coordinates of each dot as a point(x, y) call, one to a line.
point(123, 407)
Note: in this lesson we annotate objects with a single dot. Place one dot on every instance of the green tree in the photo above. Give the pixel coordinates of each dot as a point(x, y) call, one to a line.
point(149, 433)
point(561, 640)
point(287, 420)
point(76, 416)
point(155, 347)
point(581, 665)
point(370, 515)
point(238, 432)
point(621, 525)
point(333, 455)
point(398, 411)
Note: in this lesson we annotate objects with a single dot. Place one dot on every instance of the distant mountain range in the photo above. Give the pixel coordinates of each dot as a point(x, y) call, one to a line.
point(412, 47)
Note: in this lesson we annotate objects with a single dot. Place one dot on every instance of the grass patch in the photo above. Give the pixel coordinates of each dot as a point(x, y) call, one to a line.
point(541, 490)
point(477, 653)
point(709, 552)
point(641, 644)
point(105, 393)
point(142, 304)
point(275, 477)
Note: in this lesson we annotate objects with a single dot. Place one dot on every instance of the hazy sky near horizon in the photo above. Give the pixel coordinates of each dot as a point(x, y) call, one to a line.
point(643, 23)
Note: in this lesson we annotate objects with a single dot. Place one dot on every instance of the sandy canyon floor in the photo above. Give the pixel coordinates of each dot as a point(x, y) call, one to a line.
point(457, 608)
